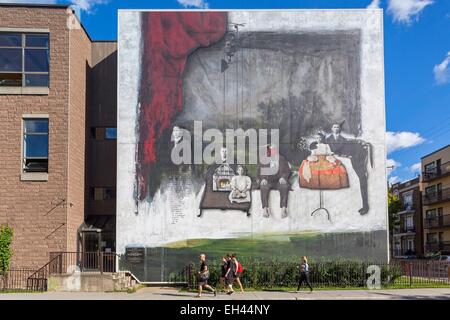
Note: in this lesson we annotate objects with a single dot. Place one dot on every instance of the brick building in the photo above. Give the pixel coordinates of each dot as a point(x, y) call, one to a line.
point(57, 134)
point(436, 201)
point(408, 233)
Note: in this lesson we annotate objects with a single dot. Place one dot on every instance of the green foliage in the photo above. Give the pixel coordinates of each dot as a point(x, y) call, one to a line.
point(394, 206)
point(6, 235)
point(338, 273)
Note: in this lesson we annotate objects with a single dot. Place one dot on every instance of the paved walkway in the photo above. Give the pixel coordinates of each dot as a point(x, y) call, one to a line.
point(174, 294)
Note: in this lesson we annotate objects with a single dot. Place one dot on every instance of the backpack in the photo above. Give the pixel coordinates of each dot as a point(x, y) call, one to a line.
point(240, 269)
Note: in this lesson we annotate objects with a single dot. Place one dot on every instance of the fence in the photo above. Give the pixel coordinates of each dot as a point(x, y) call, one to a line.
point(60, 263)
point(335, 274)
point(15, 279)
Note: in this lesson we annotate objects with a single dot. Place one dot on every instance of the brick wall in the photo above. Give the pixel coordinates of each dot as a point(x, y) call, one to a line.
point(33, 209)
point(80, 62)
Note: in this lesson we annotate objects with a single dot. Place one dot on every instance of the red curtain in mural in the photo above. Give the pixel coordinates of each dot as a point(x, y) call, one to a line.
point(169, 38)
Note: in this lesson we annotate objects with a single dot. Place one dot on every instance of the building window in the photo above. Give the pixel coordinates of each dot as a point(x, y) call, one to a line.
point(24, 60)
point(431, 214)
point(409, 222)
point(430, 192)
point(35, 145)
point(430, 167)
point(111, 133)
point(408, 200)
point(104, 133)
point(432, 238)
point(103, 193)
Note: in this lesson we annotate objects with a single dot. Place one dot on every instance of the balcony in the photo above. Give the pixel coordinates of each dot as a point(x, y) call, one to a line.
point(443, 247)
point(437, 222)
point(402, 252)
point(436, 173)
point(436, 197)
point(406, 209)
point(404, 229)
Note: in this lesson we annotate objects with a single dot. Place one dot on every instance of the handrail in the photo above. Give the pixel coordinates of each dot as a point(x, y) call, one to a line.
point(44, 278)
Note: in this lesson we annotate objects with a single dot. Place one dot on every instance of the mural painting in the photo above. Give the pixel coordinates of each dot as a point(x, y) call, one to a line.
point(263, 136)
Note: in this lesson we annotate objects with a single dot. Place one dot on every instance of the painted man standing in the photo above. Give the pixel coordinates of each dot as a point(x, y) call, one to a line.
point(359, 153)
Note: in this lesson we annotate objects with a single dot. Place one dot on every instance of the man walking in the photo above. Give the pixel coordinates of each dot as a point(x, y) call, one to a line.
point(203, 277)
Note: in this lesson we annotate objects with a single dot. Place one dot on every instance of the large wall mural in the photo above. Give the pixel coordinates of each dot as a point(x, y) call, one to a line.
point(256, 132)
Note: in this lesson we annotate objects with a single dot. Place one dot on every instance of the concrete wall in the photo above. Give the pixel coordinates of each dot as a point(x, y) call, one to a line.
point(168, 217)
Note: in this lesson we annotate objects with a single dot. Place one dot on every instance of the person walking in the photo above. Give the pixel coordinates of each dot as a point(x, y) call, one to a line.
point(203, 276)
point(223, 272)
point(239, 271)
point(304, 274)
point(231, 274)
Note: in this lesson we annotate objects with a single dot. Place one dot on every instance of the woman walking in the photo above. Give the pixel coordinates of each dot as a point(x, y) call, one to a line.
point(304, 274)
point(231, 274)
point(203, 276)
point(239, 271)
point(223, 272)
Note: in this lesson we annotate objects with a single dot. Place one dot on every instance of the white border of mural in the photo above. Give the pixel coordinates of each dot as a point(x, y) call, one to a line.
point(150, 227)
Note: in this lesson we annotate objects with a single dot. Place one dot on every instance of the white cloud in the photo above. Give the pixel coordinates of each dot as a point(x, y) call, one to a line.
point(393, 180)
point(30, 1)
point(402, 140)
point(202, 4)
point(416, 167)
point(392, 165)
point(374, 4)
point(442, 71)
point(88, 5)
point(406, 10)
point(85, 5)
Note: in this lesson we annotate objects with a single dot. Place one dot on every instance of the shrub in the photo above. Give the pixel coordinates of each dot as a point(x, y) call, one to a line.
point(259, 274)
point(6, 234)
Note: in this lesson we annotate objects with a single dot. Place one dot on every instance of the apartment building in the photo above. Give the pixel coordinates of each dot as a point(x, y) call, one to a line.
point(408, 233)
point(58, 119)
point(436, 201)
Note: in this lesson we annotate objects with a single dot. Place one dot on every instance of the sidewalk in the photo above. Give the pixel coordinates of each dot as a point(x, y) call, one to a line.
point(174, 294)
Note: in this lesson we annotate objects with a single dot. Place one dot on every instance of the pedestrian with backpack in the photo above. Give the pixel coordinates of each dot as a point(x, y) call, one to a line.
point(203, 277)
point(239, 271)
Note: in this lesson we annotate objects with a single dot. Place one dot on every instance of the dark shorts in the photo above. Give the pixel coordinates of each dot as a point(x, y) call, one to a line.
point(229, 280)
point(202, 283)
point(238, 275)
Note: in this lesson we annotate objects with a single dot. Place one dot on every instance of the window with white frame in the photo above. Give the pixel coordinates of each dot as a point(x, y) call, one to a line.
point(35, 145)
point(408, 200)
point(24, 59)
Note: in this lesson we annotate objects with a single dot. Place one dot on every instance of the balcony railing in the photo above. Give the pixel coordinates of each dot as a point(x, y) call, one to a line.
point(405, 229)
point(443, 247)
point(436, 197)
point(399, 252)
point(437, 222)
point(406, 208)
point(438, 172)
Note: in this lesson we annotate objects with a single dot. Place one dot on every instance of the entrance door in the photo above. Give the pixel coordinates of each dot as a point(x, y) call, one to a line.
point(89, 254)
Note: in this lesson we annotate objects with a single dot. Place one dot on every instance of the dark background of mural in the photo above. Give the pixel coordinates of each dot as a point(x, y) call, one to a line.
point(297, 83)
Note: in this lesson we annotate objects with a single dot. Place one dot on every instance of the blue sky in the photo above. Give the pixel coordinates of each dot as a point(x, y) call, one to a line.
point(417, 62)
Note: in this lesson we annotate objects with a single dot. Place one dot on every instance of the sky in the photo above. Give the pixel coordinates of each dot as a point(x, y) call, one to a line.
point(417, 62)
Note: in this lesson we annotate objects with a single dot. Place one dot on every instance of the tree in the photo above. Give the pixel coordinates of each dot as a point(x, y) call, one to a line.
point(6, 235)
point(394, 206)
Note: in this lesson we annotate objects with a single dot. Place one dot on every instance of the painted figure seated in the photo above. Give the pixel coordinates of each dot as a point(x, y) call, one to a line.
point(240, 187)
